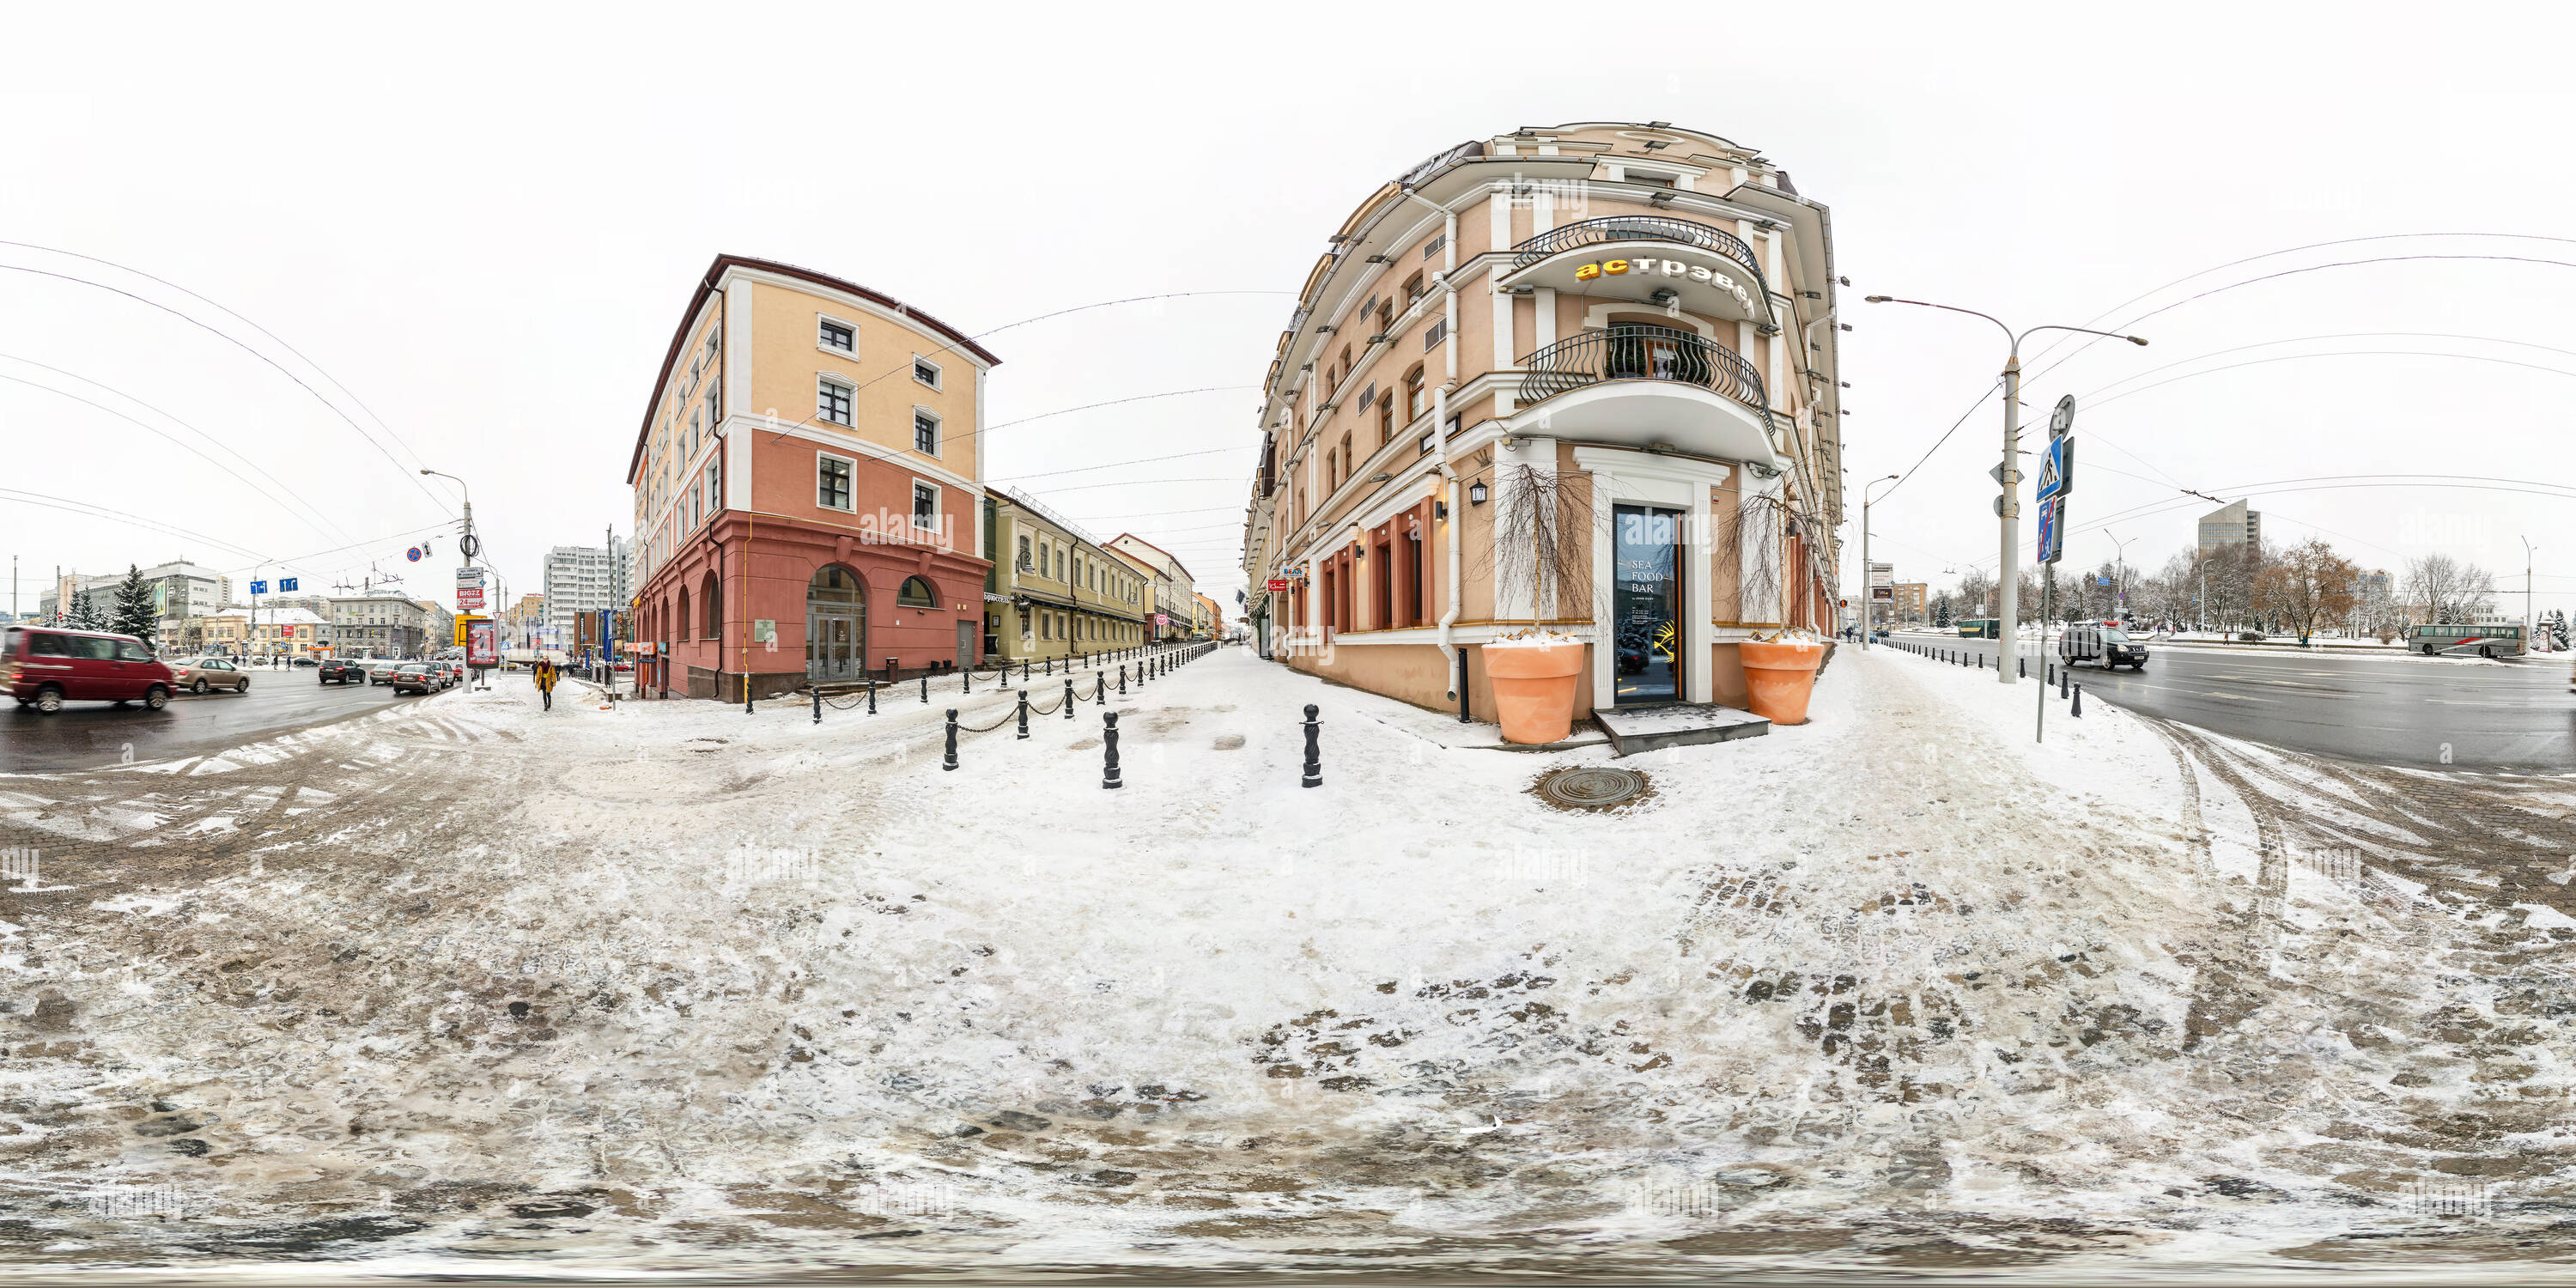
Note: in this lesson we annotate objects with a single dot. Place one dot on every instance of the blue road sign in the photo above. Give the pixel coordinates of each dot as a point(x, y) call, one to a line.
point(259, 588)
point(2057, 468)
point(286, 585)
point(2052, 529)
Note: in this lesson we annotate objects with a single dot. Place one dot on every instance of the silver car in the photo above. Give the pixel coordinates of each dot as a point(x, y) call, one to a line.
point(199, 674)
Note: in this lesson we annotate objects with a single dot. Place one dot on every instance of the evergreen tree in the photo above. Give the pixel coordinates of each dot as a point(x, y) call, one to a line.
point(135, 613)
point(2558, 628)
point(85, 614)
point(1941, 610)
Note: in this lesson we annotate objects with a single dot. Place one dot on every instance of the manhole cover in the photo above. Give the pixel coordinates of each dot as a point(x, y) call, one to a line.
point(1591, 787)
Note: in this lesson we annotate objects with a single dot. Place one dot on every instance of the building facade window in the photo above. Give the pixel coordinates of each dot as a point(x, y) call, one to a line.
point(1024, 553)
point(925, 432)
point(1417, 398)
point(832, 401)
point(925, 371)
point(832, 481)
point(925, 505)
point(836, 336)
point(915, 594)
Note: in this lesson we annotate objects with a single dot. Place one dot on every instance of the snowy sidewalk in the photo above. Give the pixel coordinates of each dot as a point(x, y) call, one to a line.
point(683, 968)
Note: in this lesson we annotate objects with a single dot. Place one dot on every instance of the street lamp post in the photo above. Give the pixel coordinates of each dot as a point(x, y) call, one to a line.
point(2008, 502)
point(2530, 619)
point(1868, 587)
point(2120, 576)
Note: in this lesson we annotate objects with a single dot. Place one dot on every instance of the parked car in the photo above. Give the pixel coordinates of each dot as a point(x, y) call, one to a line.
point(44, 667)
point(380, 670)
point(198, 674)
point(343, 670)
point(415, 677)
point(2106, 646)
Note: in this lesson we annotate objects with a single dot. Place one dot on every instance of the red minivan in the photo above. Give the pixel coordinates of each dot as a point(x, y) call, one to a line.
point(46, 666)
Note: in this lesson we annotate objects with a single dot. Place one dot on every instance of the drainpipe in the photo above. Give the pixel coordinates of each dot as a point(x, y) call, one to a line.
point(1440, 430)
point(1457, 524)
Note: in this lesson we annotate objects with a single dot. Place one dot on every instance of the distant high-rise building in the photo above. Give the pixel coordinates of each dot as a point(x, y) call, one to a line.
point(2230, 525)
point(583, 579)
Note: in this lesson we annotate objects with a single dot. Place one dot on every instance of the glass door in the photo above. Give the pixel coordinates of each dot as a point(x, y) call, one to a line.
point(831, 646)
point(1646, 604)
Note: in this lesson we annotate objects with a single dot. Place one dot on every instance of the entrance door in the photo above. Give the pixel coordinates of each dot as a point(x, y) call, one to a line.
point(831, 646)
point(965, 643)
point(836, 625)
point(1646, 604)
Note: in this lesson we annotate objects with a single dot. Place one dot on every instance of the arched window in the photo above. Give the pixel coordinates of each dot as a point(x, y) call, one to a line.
point(711, 595)
point(680, 620)
point(915, 594)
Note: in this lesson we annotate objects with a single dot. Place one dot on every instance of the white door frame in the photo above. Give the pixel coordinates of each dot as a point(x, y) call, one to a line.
point(1644, 478)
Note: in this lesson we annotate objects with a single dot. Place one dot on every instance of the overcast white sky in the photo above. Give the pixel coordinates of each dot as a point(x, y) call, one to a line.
point(482, 223)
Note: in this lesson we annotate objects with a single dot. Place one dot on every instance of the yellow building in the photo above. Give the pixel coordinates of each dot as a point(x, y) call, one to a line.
point(1054, 591)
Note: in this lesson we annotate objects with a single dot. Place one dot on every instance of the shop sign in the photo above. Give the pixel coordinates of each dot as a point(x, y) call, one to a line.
point(1276, 586)
point(764, 630)
point(1666, 268)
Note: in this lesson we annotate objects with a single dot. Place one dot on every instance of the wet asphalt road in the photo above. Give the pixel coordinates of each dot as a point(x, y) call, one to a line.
point(92, 735)
point(2425, 712)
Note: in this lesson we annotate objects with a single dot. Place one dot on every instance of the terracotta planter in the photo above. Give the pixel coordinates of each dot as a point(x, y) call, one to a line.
point(1780, 677)
point(1534, 689)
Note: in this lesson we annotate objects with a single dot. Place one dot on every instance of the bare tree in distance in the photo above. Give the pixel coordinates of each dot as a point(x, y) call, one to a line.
point(2304, 586)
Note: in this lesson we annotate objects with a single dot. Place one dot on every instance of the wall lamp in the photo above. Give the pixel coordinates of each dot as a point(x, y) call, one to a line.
point(1439, 509)
point(1476, 493)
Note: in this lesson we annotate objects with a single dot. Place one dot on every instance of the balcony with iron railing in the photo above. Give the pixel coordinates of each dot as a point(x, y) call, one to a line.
point(1652, 258)
point(1648, 385)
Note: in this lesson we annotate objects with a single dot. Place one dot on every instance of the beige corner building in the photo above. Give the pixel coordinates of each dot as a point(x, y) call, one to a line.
point(1581, 378)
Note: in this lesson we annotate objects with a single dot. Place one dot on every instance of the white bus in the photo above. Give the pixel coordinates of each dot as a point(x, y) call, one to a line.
point(2484, 639)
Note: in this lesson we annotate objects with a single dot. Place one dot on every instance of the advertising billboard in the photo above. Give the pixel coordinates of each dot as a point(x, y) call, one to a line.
point(483, 643)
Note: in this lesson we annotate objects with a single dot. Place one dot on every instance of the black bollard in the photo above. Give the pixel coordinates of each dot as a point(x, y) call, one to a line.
point(949, 761)
point(1068, 697)
point(925, 688)
point(818, 706)
point(2078, 709)
point(2063, 678)
point(1024, 671)
point(966, 680)
point(1050, 666)
point(1122, 677)
point(872, 696)
point(1314, 754)
point(1109, 756)
point(2021, 668)
point(1024, 711)
point(1100, 688)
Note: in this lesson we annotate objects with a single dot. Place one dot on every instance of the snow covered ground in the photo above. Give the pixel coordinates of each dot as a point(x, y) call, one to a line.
point(672, 985)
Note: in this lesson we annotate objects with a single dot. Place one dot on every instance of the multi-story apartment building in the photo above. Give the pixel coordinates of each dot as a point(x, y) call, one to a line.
point(180, 590)
point(785, 545)
point(1056, 591)
point(583, 579)
point(1210, 621)
point(1582, 377)
point(386, 626)
point(1913, 601)
point(1174, 593)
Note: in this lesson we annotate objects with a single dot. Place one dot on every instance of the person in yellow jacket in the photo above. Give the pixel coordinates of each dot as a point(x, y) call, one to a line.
point(546, 681)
